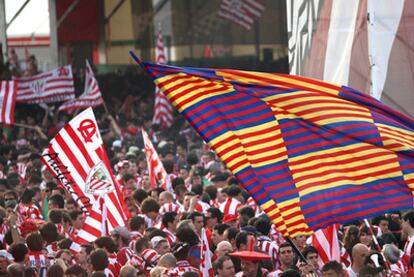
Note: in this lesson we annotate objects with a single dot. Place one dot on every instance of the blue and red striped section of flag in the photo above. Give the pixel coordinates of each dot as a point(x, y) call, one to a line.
point(310, 153)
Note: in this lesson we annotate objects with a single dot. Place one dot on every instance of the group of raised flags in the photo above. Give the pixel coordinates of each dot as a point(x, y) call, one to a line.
point(53, 86)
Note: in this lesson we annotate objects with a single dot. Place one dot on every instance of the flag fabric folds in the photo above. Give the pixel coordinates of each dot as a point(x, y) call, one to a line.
point(241, 12)
point(163, 112)
point(77, 158)
point(7, 102)
point(91, 97)
point(52, 86)
point(157, 174)
point(310, 153)
point(206, 267)
point(327, 243)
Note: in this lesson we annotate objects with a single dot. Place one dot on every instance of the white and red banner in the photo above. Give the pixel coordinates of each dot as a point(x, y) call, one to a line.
point(52, 86)
point(367, 45)
point(241, 12)
point(163, 111)
point(327, 244)
point(206, 267)
point(78, 159)
point(91, 97)
point(158, 175)
point(7, 102)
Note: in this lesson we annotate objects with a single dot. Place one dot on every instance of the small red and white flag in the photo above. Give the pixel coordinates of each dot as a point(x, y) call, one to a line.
point(327, 244)
point(158, 175)
point(95, 225)
point(7, 102)
point(163, 112)
point(206, 267)
point(91, 97)
point(241, 12)
point(78, 159)
point(52, 86)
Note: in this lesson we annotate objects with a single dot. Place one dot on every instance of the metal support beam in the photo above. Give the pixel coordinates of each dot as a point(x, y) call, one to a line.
point(3, 28)
point(67, 12)
point(53, 34)
point(17, 13)
point(114, 10)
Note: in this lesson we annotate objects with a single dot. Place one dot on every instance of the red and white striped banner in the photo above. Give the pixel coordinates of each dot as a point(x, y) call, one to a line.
point(163, 112)
point(158, 175)
point(7, 102)
point(91, 97)
point(206, 267)
point(77, 158)
point(53, 86)
point(327, 244)
point(241, 12)
point(95, 225)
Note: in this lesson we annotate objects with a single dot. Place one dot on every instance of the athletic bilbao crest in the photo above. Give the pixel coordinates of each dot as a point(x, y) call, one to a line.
point(99, 180)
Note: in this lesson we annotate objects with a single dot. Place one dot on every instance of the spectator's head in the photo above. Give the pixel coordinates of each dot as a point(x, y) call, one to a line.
point(150, 207)
point(170, 220)
point(198, 221)
point(137, 223)
point(224, 267)
point(49, 232)
point(99, 260)
point(56, 202)
point(106, 243)
point(77, 219)
point(76, 271)
point(286, 254)
point(34, 241)
point(332, 269)
point(244, 214)
point(18, 251)
point(408, 222)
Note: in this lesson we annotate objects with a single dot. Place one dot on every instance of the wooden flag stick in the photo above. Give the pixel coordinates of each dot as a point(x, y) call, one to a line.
point(24, 125)
point(377, 246)
point(105, 107)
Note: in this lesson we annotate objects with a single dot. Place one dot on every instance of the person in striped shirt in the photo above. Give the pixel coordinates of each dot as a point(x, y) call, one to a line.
point(408, 231)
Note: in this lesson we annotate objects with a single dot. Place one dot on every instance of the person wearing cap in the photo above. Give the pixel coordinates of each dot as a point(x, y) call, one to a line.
point(231, 220)
point(250, 261)
point(121, 236)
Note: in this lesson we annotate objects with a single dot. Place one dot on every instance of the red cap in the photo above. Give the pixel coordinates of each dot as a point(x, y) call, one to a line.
point(229, 218)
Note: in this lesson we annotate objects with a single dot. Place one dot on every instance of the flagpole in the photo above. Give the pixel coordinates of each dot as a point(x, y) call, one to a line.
point(296, 250)
point(105, 107)
point(23, 125)
point(374, 238)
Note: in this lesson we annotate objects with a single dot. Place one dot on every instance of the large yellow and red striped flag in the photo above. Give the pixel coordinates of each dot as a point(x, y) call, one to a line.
point(310, 153)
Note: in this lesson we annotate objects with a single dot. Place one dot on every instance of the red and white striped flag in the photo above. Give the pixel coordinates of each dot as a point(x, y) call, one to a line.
point(7, 102)
point(242, 12)
point(327, 244)
point(206, 267)
point(91, 97)
point(95, 225)
point(163, 112)
point(158, 175)
point(77, 158)
point(53, 86)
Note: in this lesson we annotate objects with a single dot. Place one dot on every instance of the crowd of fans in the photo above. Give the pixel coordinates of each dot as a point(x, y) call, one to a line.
point(39, 219)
